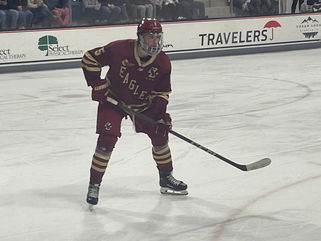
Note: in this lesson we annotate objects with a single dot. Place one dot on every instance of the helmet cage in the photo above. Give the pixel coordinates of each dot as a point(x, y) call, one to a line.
point(151, 50)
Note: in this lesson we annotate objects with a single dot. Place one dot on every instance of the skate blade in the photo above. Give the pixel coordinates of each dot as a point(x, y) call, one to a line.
point(168, 191)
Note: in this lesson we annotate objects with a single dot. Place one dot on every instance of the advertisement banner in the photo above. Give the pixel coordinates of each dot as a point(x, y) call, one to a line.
point(58, 45)
point(238, 33)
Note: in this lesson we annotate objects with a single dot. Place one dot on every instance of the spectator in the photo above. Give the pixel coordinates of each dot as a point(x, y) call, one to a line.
point(157, 8)
point(315, 5)
point(266, 7)
point(258, 7)
point(12, 14)
point(193, 9)
point(145, 9)
point(114, 9)
point(252, 7)
point(168, 9)
point(131, 8)
point(60, 11)
point(25, 15)
point(96, 11)
point(282, 5)
point(76, 11)
point(42, 15)
point(294, 5)
point(123, 5)
point(9, 14)
point(3, 15)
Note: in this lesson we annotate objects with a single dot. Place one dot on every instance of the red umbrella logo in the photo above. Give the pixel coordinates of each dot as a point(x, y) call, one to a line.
point(272, 24)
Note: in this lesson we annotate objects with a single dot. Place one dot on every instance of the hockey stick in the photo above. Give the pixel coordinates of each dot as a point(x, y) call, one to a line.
point(246, 167)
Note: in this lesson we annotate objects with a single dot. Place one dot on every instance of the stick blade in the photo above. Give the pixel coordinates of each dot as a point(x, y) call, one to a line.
point(259, 164)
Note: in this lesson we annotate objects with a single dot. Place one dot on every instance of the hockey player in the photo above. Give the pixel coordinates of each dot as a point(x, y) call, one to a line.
point(139, 77)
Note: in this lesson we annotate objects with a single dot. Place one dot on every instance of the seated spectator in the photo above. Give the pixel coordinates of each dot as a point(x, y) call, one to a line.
point(257, 7)
point(311, 6)
point(76, 12)
point(3, 15)
point(145, 9)
point(131, 9)
point(25, 15)
point(266, 7)
point(252, 7)
point(123, 5)
point(114, 8)
point(158, 7)
point(99, 13)
point(192, 9)
point(168, 9)
point(42, 15)
point(60, 11)
point(9, 14)
point(94, 11)
point(294, 5)
point(316, 7)
point(13, 14)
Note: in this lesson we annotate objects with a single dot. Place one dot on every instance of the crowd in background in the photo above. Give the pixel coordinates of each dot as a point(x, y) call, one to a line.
point(29, 14)
point(272, 7)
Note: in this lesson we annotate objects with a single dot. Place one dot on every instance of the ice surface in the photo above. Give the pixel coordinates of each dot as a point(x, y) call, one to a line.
point(243, 107)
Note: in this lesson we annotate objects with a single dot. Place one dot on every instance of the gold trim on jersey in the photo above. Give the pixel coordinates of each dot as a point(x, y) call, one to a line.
point(92, 69)
point(89, 63)
point(139, 107)
point(140, 63)
point(164, 95)
point(91, 58)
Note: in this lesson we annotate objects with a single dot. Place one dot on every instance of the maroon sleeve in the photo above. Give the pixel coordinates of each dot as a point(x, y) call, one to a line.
point(93, 61)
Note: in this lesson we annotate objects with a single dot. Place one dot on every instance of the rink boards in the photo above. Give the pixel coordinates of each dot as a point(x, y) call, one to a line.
point(61, 48)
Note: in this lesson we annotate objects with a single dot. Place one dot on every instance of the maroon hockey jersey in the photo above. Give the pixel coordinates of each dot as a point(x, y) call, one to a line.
point(132, 81)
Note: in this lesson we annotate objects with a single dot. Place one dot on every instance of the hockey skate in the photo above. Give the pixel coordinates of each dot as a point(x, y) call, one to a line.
point(92, 195)
point(170, 185)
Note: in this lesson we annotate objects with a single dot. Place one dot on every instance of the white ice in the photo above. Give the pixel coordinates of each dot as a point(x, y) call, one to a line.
point(242, 107)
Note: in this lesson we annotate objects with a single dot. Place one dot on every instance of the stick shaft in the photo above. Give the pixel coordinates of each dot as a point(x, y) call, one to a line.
point(249, 167)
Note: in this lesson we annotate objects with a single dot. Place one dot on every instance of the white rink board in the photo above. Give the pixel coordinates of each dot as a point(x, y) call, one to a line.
point(61, 45)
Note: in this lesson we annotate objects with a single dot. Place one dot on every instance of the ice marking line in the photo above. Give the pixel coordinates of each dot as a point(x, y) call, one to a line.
point(233, 216)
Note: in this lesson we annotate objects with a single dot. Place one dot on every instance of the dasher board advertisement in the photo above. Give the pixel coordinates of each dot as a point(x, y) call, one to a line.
point(69, 44)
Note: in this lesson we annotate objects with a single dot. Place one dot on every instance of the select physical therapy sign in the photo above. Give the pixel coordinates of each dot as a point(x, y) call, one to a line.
point(69, 44)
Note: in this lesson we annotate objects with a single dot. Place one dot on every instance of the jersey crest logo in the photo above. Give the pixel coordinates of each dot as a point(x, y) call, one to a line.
point(108, 126)
point(152, 73)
